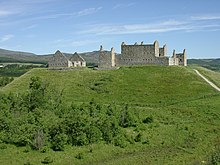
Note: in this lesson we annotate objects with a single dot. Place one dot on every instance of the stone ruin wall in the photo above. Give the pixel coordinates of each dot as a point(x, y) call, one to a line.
point(137, 54)
point(107, 59)
point(104, 59)
point(143, 54)
point(59, 60)
point(140, 54)
point(163, 51)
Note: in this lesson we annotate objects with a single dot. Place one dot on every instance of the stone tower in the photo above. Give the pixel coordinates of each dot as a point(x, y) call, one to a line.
point(156, 47)
point(184, 58)
point(112, 57)
point(106, 58)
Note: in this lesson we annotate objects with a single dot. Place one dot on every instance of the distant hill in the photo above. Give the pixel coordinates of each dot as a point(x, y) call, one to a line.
point(17, 56)
point(213, 64)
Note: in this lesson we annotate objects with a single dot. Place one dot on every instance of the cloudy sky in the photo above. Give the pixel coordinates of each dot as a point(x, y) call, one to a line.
point(43, 26)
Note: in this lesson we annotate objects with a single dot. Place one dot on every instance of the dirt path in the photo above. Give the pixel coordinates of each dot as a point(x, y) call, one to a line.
point(209, 82)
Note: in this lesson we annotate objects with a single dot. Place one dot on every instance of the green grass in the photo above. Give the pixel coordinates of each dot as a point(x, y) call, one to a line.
point(185, 111)
point(141, 86)
point(211, 75)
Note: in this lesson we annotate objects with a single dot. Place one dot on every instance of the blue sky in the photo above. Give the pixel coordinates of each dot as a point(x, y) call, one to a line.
point(44, 26)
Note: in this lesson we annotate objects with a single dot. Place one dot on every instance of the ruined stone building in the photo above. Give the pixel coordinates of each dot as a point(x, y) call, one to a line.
point(59, 60)
point(140, 54)
point(77, 60)
point(106, 59)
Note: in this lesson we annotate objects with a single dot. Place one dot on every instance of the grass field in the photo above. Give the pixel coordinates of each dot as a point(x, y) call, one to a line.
point(211, 75)
point(184, 108)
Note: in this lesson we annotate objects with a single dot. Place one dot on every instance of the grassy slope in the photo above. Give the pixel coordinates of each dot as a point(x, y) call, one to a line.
point(211, 75)
point(184, 108)
point(147, 86)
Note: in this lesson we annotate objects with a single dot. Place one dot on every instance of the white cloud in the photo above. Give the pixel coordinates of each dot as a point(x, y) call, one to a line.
point(125, 5)
point(5, 13)
point(88, 11)
point(205, 17)
point(6, 37)
point(166, 26)
point(184, 25)
point(30, 27)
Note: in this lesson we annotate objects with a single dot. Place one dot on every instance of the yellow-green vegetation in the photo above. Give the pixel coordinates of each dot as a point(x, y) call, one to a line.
point(163, 115)
point(211, 75)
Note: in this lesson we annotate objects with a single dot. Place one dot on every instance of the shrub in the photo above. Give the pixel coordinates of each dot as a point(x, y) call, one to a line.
point(120, 141)
point(127, 118)
point(215, 158)
point(39, 140)
point(148, 120)
point(3, 146)
point(93, 134)
point(59, 141)
point(47, 160)
point(138, 138)
point(79, 156)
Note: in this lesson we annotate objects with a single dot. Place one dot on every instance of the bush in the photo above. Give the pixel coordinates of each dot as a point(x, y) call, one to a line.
point(5, 80)
point(3, 146)
point(120, 141)
point(127, 118)
point(148, 120)
point(39, 140)
point(58, 142)
point(79, 156)
point(93, 134)
point(138, 138)
point(215, 158)
point(47, 160)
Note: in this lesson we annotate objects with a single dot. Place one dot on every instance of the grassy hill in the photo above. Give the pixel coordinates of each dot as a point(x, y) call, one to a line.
point(151, 86)
point(184, 109)
point(213, 64)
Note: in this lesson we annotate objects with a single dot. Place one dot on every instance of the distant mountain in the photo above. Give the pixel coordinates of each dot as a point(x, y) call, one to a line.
point(17, 56)
point(213, 64)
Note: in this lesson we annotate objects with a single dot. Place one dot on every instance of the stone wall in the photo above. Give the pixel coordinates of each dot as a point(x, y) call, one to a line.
point(137, 54)
point(140, 54)
point(143, 54)
point(59, 60)
point(163, 51)
point(107, 59)
point(173, 61)
point(182, 58)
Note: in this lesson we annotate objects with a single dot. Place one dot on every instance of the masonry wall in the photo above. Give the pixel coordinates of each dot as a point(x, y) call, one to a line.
point(59, 60)
point(142, 55)
point(173, 61)
point(105, 59)
point(137, 54)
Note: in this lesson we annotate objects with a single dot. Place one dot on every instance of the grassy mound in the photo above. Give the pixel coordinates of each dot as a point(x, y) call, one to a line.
point(179, 115)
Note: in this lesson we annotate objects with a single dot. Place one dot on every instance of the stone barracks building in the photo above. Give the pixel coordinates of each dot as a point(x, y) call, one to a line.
point(140, 54)
point(59, 60)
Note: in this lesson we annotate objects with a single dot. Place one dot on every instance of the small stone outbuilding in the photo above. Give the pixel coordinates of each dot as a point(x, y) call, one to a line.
point(77, 60)
point(59, 60)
